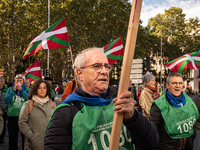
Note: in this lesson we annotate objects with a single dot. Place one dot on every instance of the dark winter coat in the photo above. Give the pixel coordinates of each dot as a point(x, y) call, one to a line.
point(165, 142)
point(3, 105)
point(196, 100)
point(59, 134)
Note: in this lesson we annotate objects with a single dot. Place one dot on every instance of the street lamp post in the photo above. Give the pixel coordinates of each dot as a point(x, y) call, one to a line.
point(161, 23)
point(47, 73)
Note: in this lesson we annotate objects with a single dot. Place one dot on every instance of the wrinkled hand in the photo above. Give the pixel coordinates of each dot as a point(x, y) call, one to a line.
point(125, 105)
point(17, 87)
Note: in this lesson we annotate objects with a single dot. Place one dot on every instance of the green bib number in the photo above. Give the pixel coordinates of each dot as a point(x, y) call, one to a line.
point(15, 106)
point(179, 121)
point(91, 129)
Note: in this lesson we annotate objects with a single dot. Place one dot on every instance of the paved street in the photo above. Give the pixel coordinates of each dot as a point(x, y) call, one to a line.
point(56, 99)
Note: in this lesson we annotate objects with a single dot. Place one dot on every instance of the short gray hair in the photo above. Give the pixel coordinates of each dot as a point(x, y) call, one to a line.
point(26, 79)
point(141, 86)
point(81, 59)
point(2, 79)
point(174, 74)
point(20, 76)
point(146, 78)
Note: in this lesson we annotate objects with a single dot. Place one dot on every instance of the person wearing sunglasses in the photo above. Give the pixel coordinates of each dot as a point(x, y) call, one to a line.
point(84, 119)
point(15, 97)
point(174, 115)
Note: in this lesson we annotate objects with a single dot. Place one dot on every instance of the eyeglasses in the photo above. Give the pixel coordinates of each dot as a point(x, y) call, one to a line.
point(176, 83)
point(98, 67)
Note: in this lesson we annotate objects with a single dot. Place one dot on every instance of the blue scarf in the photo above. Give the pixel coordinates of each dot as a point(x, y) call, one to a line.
point(94, 100)
point(177, 101)
point(17, 91)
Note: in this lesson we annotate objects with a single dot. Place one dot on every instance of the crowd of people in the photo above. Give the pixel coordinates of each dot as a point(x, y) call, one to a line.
point(162, 120)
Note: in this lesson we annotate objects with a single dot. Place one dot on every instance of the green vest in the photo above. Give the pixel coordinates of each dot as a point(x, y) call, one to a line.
point(91, 129)
point(15, 105)
point(179, 121)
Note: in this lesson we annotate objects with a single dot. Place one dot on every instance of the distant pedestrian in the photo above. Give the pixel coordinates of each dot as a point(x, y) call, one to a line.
point(140, 88)
point(50, 80)
point(4, 108)
point(196, 100)
point(57, 89)
point(160, 89)
point(149, 94)
point(35, 114)
point(133, 92)
point(1, 123)
point(15, 97)
point(27, 83)
point(70, 88)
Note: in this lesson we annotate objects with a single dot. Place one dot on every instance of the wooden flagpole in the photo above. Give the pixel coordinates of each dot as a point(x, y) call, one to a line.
point(126, 69)
point(73, 64)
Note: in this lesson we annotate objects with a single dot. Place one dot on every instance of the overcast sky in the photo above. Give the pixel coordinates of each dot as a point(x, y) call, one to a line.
point(150, 8)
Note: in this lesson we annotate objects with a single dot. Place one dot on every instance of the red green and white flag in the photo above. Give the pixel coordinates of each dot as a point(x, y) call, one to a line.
point(180, 64)
point(33, 72)
point(1, 72)
point(114, 51)
point(56, 36)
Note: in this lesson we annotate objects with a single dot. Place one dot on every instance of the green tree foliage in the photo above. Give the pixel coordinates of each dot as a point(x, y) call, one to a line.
point(174, 35)
point(173, 32)
point(89, 22)
point(18, 26)
point(193, 38)
point(178, 37)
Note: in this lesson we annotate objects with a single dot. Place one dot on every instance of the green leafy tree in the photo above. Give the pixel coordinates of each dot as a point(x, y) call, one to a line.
point(173, 34)
point(89, 22)
point(18, 26)
point(193, 35)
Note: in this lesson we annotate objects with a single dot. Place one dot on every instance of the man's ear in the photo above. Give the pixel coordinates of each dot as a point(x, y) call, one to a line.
point(79, 73)
point(167, 85)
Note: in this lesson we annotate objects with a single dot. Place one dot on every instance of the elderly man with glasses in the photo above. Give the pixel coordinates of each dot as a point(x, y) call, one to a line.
point(174, 114)
point(15, 97)
point(84, 120)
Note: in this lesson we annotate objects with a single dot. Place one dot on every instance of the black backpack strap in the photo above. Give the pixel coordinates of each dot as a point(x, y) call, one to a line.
point(75, 107)
point(72, 110)
point(73, 85)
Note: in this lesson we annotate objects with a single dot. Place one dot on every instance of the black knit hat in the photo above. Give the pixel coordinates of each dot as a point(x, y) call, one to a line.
point(48, 78)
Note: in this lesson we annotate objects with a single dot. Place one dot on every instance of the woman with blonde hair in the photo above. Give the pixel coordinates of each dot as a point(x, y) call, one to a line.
point(149, 94)
point(34, 115)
